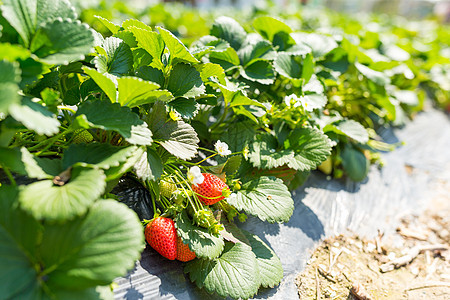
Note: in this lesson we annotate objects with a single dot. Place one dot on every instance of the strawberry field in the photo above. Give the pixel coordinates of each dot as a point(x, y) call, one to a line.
point(170, 127)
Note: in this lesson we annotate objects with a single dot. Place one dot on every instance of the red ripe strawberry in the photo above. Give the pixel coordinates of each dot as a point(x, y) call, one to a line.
point(183, 251)
point(161, 234)
point(211, 189)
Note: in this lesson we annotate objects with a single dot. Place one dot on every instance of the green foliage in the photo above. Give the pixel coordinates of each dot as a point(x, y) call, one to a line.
point(237, 263)
point(79, 263)
point(45, 200)
point(267, 198)
point(269, 265)
point(155, 101)
point(111, 116)
point(203, 243)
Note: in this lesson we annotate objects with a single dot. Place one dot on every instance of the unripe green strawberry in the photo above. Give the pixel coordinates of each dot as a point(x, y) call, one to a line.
point(82, 136)
point(211, 190)
point(204, 218)
point(167, 188)
point(161, 235)
point(326, 166)
point(183, 251)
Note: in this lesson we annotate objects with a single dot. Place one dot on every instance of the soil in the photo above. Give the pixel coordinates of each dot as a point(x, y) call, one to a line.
point(348, 266)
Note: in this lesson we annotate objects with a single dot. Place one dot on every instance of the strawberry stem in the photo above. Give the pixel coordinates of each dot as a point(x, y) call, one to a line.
point(9, 174)
point(206, 149)
point(210, 198)
point(195, 204)
point(206, 158)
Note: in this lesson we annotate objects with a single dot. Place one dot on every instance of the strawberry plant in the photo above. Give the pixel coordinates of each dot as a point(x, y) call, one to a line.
point(215, 131)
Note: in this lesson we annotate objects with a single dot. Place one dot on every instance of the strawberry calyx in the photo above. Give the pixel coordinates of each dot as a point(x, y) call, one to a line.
point(226, 192)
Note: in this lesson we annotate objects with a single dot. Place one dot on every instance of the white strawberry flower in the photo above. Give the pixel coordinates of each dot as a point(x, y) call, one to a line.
point(292, 100)
point(222, 148)
point(194, 175)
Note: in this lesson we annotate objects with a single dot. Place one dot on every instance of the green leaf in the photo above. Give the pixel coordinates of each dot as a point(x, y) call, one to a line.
point(178, 51)
point(231, 231)
point(108, 24)
point(286, 65)
point(210, 41)
point(127, 37)
point(23, 162)
point(355, 163)
point(185, 81)
point(200, 52)
point(187, 108)
point(238, 135)
point(210, 71)
point(232, 164)
point(204, 244)
point(134, 91)
point(320, 44)
point(141, 58)
point(151, 74)
point(260, 71)
point(119, 57)
point(298, 50)
point(349, 128)
point(136, 23)
point(266, 198)
point(149, 166)
point(19, 235)
point(268, 27)
point(105, 83)
point(237, 98)
point(13, 52)
point(177, 137)
point(256, 50)
point(53, 9)
point(378, 78)
point(21, 14)
point(9, 89)
point(62, 41)
point(265, 155)
point(11, 72)
point(35, 117)
point(269, 265)
point(311, 148)
point(307, 67)
point(245, 111)
point(227, 59)
point(102, 155)
point(234, 274)
point(9, 95)
point(111, 116)
point(229, 30)
point(85, 294)
point(152, 43)
point(110, 232)
point(116, 172)
point(44, 200)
